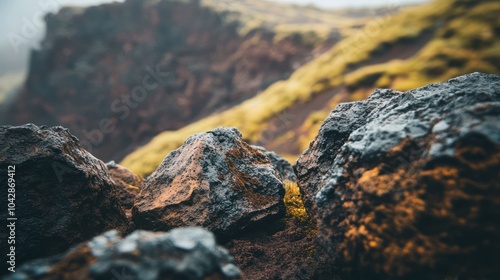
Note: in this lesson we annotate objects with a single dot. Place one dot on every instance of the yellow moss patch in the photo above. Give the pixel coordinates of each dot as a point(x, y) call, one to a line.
point(294, 205)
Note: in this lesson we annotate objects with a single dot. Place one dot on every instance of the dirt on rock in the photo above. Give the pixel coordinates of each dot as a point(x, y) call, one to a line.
point(285, 249)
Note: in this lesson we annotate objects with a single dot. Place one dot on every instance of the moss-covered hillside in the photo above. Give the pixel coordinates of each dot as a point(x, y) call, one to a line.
point(421, 45)
point(287, 19)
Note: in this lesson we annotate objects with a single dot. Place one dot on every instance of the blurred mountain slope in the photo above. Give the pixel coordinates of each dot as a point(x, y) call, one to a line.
point(289, 18)
point(429, 43)
point(93, 68)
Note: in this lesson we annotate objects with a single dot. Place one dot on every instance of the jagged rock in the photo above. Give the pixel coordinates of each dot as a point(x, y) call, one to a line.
point(412, 190)
point(284, 168)
point(187, 254)
point(317, 160)
point(214, 180)
point(128, 185)
point(63, 195)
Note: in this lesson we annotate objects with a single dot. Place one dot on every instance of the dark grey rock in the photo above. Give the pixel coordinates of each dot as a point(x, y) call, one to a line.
point(282, 166)
point(184, 253)
point(412, 190)
point(215, 180)
point(316, 161)
point(63, 195)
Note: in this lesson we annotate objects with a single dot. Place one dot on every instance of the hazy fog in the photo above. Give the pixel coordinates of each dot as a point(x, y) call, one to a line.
point(21, 24)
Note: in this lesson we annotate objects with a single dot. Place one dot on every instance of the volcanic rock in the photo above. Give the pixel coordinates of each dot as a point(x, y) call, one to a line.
point(187, 254)
point(63, 195)
point(317, 160)
point(215, 180)
point(412, 190)
point(128, 184)
point(284, 168)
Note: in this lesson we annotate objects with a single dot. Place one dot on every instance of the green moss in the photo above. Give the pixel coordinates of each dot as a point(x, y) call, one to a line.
point(310, 24)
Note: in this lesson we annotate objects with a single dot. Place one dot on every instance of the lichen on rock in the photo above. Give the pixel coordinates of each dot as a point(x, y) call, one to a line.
point(215, 180)
point(412, 189)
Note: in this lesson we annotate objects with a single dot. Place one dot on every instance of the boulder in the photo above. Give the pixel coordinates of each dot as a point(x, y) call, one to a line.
point(63, 195)
point(215, 180)
point(282, 166)
point(407, 185)
point(128, 185)
point(186, 253)
point(316, 161)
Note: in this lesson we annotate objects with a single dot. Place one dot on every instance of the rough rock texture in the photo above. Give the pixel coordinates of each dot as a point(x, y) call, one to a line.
point(284, 168)
point(413, 189)
point(317, 160)
point(63, 195)
point(128, 185)
point(151, 66)
point(214, 180)
point(183, 254)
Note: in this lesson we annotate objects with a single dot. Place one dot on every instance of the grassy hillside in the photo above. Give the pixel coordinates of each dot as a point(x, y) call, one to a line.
point(288, 19)
point(421, 45)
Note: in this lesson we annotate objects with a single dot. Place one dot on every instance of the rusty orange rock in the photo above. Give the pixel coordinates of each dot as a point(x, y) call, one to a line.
point(128, 185)
point(405, 185)
point(215, 180)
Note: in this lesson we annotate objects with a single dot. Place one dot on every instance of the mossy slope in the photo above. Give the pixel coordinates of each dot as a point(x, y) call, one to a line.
point(453, 38)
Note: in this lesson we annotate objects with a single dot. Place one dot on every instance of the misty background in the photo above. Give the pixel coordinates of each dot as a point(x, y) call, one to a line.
point(22, 26)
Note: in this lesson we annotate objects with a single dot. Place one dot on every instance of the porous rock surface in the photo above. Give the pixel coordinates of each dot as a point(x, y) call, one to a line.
point(215, 180)
point(316, 161)
point(63, 195)
point(407, 185)
point(128, 184)
point(186, 253)
point(282, 166)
